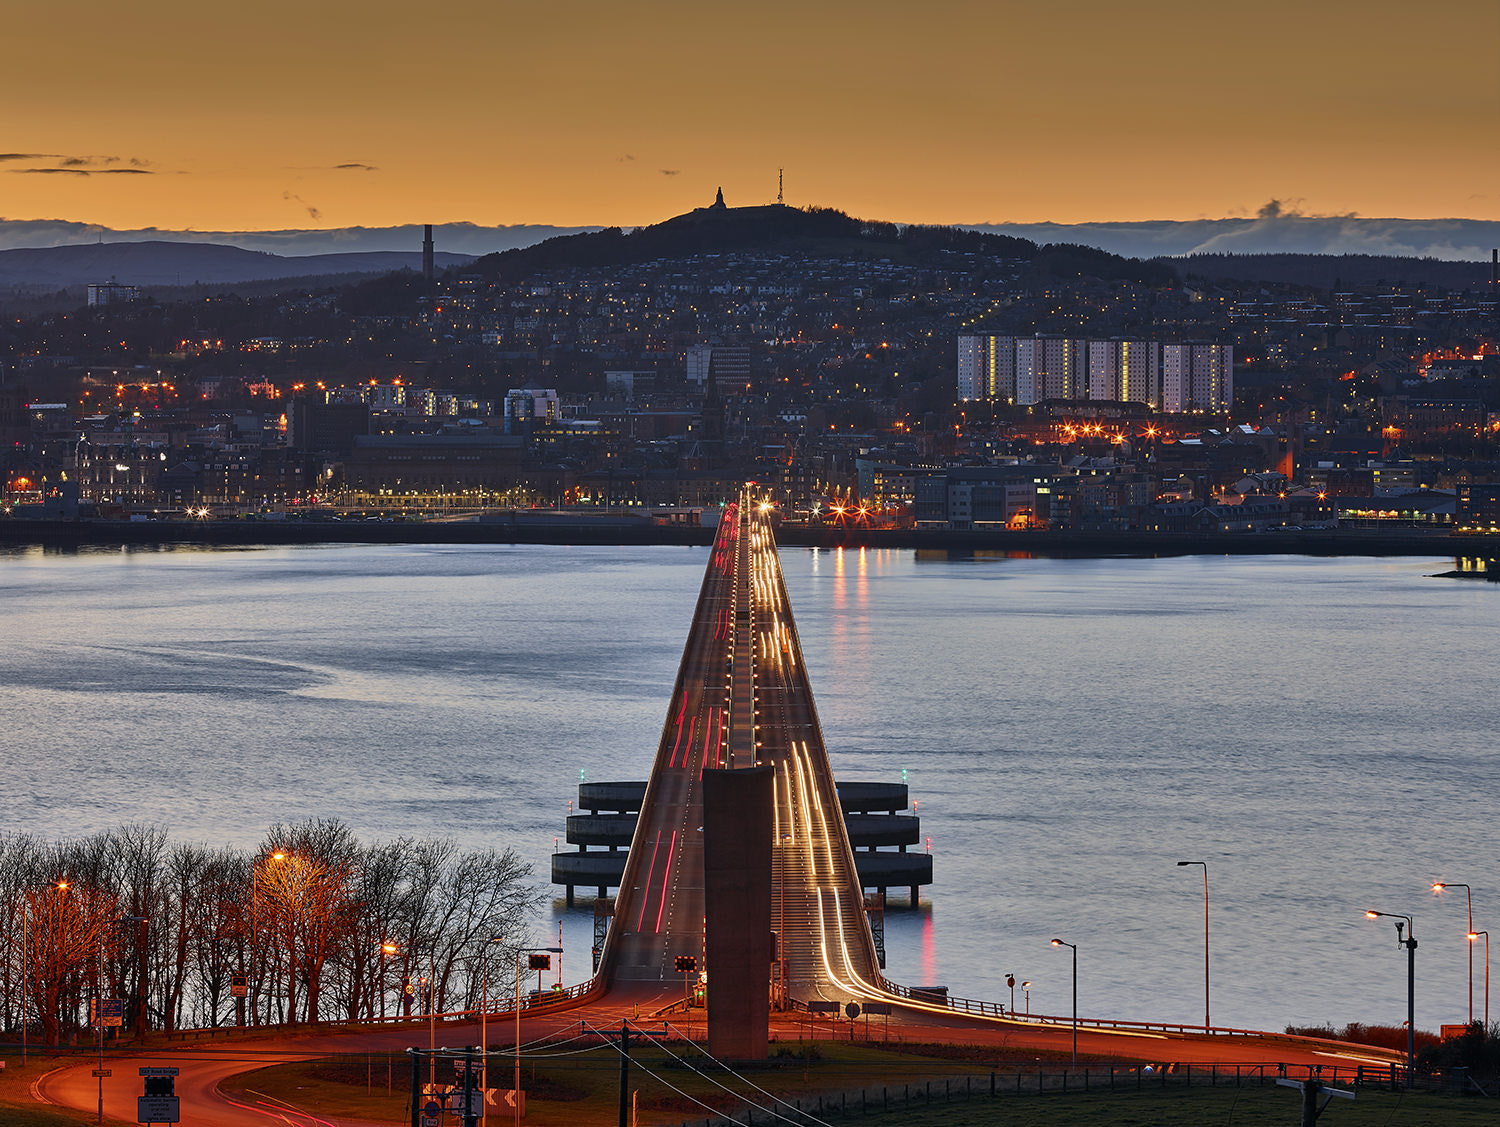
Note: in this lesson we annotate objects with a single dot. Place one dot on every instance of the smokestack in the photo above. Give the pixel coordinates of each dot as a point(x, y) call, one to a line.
point(427, 251)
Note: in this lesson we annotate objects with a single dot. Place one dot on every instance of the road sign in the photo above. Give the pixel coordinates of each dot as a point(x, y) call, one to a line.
point(852, 1010)
point(103, 1072)
point(432, 1114)
point(512, 1098)
point(816, 1007)
point(239, 985)
point(170, 1070)
point(156, 1109)
point(878, 1008)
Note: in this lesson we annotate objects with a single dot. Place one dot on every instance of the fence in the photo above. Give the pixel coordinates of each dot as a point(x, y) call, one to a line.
point(1041, 1082)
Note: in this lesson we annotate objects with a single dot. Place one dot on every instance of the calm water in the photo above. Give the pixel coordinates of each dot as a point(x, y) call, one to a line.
point(1321, 732)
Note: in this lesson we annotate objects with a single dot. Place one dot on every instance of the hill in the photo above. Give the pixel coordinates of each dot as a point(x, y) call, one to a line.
point(1334, 271)
point(800, 232)
point(163, 263)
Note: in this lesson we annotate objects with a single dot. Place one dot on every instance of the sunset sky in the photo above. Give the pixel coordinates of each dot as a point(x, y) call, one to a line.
point(575, 112)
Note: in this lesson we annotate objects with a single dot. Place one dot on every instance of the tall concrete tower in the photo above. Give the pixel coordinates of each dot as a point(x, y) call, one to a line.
point(427, 252)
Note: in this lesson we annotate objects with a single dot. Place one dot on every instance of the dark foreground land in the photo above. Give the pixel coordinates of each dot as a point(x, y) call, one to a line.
point(809, 1083)
point(589, 530)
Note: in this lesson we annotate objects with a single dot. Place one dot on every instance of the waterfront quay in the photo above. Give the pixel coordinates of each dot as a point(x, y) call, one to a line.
point(601, 529)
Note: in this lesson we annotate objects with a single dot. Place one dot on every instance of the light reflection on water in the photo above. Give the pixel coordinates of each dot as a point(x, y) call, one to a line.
point(1319, 731)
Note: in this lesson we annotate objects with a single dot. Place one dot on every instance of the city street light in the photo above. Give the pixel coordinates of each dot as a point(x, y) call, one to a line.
point(1410, 943)
point(1180, 864)
point(99, 1009)
point(1469, 894)
point(1026, 990)
point(25, 963)
point(1065, 943)
point(1473, 935)
point(483, 1018)
point(392, 949)
point(253, 984)
point(519, 952)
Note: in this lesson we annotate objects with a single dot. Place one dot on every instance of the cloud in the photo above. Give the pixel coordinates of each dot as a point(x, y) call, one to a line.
point(82, 172)
point(78, 165)
point(1274, 209)
point(669, 171)
point(356, 166)
point(312, 212)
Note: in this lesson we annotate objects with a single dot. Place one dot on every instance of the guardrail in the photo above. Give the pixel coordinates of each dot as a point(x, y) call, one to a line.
point(980, 1008)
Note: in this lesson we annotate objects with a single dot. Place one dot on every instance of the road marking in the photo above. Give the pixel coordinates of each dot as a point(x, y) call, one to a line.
point(36, 1087)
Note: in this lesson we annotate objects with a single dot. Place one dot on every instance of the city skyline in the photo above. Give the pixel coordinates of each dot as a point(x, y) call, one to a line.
point(172, 117)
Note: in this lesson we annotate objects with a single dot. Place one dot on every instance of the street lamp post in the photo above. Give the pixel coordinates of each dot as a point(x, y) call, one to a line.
point(99, 1010)
point(392, 949)
point(1026, 990)
point(1473, 935)
point(1206, 1022)
point(519, 952)
point(1410, 943)
point(484, 1010)
point(25, 963)
point(253, 983)
point(1469, 894)
point(1074, 946)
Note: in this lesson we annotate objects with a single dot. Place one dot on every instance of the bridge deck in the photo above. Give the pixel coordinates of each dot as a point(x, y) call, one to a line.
point(742, 697)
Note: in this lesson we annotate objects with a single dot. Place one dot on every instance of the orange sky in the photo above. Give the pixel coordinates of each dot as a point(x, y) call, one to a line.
point(328, 113)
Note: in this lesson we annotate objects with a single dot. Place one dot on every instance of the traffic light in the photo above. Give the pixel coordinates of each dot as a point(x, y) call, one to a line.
point(160, 1085)
point(687, 963)
point(539, 962)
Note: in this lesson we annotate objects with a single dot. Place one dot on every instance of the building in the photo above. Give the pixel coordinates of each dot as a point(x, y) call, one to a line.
point(112, 293)
point(730, 366)
point(525, 407)
point(972, 497)
point(1196, 377)
point(1026, 371)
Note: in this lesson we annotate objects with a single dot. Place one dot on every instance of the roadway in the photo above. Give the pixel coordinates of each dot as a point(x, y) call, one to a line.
point(659, 907)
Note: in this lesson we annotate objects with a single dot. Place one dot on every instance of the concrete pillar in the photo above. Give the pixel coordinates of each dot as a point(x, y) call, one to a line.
point(737, 820)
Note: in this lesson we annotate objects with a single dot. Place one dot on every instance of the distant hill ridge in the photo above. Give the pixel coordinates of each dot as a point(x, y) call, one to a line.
point(163, 263)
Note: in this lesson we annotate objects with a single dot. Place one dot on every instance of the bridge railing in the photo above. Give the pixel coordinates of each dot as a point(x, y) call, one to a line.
point(976, 1007)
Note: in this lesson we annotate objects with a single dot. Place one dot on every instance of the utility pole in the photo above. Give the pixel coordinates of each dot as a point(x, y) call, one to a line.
point(624, 1073)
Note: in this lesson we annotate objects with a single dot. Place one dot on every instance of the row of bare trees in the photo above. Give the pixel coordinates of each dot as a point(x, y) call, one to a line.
point(314, 925)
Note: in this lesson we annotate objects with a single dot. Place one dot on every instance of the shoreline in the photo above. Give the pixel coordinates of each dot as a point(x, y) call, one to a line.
point(603, 531)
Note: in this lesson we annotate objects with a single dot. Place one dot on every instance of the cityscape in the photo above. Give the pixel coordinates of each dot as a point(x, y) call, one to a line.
point(972, 599)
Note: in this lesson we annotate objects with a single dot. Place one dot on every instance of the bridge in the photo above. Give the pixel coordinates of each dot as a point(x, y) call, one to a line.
point(742, 699)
